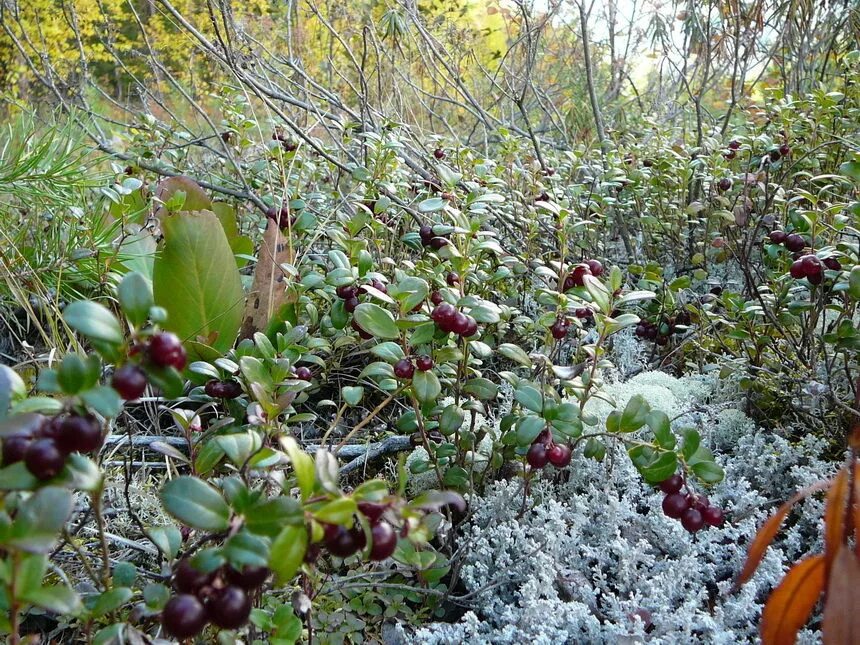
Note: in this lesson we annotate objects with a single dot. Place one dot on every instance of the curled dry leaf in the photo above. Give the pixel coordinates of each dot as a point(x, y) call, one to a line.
point(790, 604)
point(841, 624)
point(268, 291)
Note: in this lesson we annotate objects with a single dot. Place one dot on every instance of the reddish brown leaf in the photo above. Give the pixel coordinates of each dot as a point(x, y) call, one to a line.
point(768, 531)
point(790, 604)
point(834, 517)
point(856, 509)
point(841, 624)
point(268, 291)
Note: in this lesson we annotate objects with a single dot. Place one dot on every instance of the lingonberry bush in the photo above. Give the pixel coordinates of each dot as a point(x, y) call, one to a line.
point(405, 349)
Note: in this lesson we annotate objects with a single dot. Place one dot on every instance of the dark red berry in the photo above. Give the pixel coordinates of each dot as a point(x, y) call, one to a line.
point(559, 455)
point(452, 279)
point(439, 153)
point(363, 334)
point(346, 291)
point(832, 263)
point(350, 304)
point(460, 323)
point(784, 150)
point(379, 285)
point(537, 456)
point(443, 315)
point(340, 541)
point(675, 504)
point(692, 520)
point(229, 608)
point(672, 484)
point(14, 448)
point(44, 459)
point(166, 350)
point(183, 616)
point(383, 541)
point(724, 184)
point(79, 434)
point(248, 577)
point(734, 144)
point(797, 272)
point(559, 329)
point(577, 276)
point(403, 369)
point(775, 155)
point(730, 154)
point(811, 266)
point(189, 579)
point(471, 327)
point(713, 516)
point(778, 237)
point(372, 511)
point(438, 242)
point(794, 242)
point(426, 234)
point(424, 363)
point(595, 267)
point(584, 312)
point(436, 298)
point(129, 381)
point(304, 373)
point(228, 389)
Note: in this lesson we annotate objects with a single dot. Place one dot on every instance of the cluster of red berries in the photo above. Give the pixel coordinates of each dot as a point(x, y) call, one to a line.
point(281, 216)
point(162, 350)
point(545, 451)
point(404, 368)
point(449, 319)
point(43, 444)
point(344, 542)
point(349, 293)
point(660, 331)
point(576, 278)
point(220, 597)
point(429, 238)
point(223, 389)
point(731, 152)
point(792, 241)
point(694, 511)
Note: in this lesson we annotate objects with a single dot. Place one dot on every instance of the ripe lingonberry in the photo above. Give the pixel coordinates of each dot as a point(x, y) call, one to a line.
point(229, 608)
point(346, 291)
point(340, 541)
point(437, 243)
point(189, 579)
point(439, 153)
point(784, 149)
point(734, 144)
point(14, 448)
point(424, 363)
point(777, 237)
point(426, 234)
point(436, 298)
point(183, 616)
point(797, 272)
point(559, 329)
point(460, 324)
point(724, 184)
point(79, 434)
point(675, 504)
point(832, 263)
point(166, 350)
point(672, 484)
point(471, 327)
point(350, 304)
point(129, 381)
point(372, 511)
point(595, 267)
point(248, 577)
point(361, 332)
point(452, 279)
point(304, 373)
point(775, 155)
point(383, 541)
point(584, 312)
point(692, 520)
point(228, 389)
point(794, 242)
point(559, 455)
point(713, 516)
point(443, 315)
point(403, 369)
point(537, 456)
point(44, 459)
point(577, 276)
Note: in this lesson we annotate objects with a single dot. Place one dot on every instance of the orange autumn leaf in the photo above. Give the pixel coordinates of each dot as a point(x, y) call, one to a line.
point(834, 517)
point(791, 603)
point(841, 625)
point(768, 531)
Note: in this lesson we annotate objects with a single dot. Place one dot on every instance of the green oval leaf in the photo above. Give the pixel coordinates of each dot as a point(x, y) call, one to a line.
point(196, 503)
point(94, 321)
point(375, 320)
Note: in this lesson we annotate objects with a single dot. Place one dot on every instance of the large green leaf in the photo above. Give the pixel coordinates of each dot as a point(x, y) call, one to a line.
point(196, 503)
point(196, 280)
point(375, 320)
